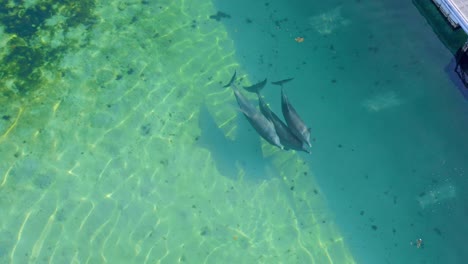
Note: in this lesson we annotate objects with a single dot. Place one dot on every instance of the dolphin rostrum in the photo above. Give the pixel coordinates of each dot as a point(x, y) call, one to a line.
point(287, 138)
point(264, 127)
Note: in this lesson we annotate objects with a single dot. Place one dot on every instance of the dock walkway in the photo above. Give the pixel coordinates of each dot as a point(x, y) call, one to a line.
point(456, 12)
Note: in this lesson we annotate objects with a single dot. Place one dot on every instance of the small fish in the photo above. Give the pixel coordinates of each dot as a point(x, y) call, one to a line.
point(281, 82)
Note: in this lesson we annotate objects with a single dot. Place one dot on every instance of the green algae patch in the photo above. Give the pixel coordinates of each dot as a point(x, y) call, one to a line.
point(34, 38)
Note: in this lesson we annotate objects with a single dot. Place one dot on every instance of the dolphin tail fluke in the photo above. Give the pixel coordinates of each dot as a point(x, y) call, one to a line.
point(256, 88)
point(233, 78)
point(281, 82)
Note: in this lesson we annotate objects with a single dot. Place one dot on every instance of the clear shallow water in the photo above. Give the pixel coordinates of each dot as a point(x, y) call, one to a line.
point(129, 151)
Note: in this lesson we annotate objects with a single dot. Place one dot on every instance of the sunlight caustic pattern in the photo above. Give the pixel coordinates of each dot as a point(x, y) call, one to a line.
point(328, 22)
point(101, 165)
point(382, 101)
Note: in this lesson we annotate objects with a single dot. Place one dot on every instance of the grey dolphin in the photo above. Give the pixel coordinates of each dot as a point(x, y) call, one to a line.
point(294, 121)
point(264, 127)
point(287, 138)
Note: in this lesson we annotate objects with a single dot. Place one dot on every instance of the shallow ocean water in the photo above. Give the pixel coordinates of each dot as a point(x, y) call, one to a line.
point(121, 146)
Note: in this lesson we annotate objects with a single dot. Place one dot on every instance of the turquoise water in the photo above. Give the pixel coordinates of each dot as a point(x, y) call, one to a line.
point(118, 144)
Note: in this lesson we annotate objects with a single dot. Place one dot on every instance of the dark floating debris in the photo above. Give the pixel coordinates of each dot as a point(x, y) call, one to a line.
point(204, 231)
point(361, 213)
point(374, 227)
point(437, 231)
point(145, 129)
point(373, 49)
point(279, 22)
point(220, 15)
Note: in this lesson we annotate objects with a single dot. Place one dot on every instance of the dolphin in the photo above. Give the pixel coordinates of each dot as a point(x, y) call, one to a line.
point(264, 127)
point(294, 121)
point(287, 138)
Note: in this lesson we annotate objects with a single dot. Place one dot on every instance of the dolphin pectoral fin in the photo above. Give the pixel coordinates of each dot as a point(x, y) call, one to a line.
point(233, 78)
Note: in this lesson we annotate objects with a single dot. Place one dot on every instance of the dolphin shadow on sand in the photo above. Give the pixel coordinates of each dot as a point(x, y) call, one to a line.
point(230, 156)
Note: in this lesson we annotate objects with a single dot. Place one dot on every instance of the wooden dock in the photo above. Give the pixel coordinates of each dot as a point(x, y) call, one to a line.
point(456, 12)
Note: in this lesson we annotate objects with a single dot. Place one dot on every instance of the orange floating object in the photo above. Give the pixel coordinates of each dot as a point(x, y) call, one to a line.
point(299, 39)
